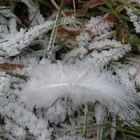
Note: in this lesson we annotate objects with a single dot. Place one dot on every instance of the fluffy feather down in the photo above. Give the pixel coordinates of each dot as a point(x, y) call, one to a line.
point(81, 83)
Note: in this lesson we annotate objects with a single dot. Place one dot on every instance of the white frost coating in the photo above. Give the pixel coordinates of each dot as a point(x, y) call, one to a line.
point(57, 113)
point(52, 81)
point(3, 28)
point(104, 57)
point(68, 20)
point(59, 91)
point(7, 26)
point(22, 39)
point(24, 118)
point(75, 53)
point(6, 12)
point(98, 25)
point(134, 18)
point(104, 44)
point(18, 114)
point(99, 116)
point(83, 39)
point(126, 76)
point(137, 1)
point(16, 130)
point(13, 26)
point(103, 36)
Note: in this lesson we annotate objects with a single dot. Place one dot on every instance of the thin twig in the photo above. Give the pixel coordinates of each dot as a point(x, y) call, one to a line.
point(32, 19)
point(74, 7)
point(53, 34)
point(57, 7)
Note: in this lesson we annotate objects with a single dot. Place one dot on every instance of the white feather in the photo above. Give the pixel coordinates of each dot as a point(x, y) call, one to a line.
point(81, 83)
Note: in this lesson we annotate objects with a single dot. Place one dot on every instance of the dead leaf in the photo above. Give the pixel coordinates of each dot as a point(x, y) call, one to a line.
point(6, 66)
point(112, 18)
point(68, 31)
point(91, 4)
point(120, 35)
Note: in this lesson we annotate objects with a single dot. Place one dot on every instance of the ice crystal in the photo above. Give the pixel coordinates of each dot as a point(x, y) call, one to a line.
point(90, 82)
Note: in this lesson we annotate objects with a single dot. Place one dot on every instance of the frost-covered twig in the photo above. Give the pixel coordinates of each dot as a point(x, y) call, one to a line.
point(104, 57)
point(22, 39)
point(104, 44)
point(53, 35)
point(17, 42)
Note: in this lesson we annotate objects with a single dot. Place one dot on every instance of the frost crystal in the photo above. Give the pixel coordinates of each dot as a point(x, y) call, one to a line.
point(92, 82)
point(134, 18)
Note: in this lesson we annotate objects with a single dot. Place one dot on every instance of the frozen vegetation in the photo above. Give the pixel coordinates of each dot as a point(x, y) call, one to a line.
point(69, 74)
